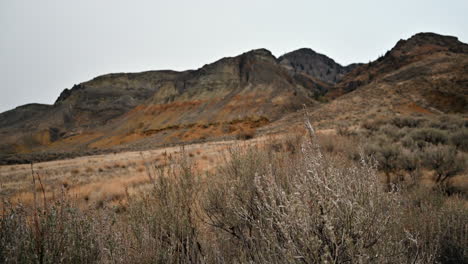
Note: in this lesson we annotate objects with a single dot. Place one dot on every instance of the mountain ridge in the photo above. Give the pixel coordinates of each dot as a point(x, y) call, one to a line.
point(236, 95)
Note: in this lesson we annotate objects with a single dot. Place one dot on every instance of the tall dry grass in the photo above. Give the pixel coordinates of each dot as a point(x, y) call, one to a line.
point(291, 203)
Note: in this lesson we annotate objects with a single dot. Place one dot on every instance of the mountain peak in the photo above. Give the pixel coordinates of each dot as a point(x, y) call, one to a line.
point(260, 52)
point(310, 62)
point(304, 51)
point(430, 36)
point(428, 42)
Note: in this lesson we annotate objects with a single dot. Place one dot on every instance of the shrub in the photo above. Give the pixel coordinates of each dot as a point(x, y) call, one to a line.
point(260, 206)
point(444, 161)
point(381, 140)
point(162, 223)
point(414, 145)
point(430, 135)
point(373, 125)
point(308, 211)
point(307, 208)
point(460, 140)
point(449, 122)
point(408, 161)
point(407, 121)
point(387, 156)
point(390, 130)
point(409, 143)
point(445, 243)
point(57, 234)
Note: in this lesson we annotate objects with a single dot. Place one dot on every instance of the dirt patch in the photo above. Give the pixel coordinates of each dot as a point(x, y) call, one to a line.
point(413, 108)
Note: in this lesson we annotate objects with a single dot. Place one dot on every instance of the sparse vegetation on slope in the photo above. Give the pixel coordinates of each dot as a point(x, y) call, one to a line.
point(290, 202)
point(417, 146)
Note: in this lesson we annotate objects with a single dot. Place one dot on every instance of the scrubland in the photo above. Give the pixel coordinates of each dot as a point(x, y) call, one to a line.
point(390, 191)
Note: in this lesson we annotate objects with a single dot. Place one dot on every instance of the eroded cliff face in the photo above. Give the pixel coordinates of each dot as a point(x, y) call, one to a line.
point(242, 92)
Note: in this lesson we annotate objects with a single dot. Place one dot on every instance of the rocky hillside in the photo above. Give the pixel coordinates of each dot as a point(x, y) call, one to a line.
point(424, 75)
point(421, 47)
point(237, 96)
point(232, 96)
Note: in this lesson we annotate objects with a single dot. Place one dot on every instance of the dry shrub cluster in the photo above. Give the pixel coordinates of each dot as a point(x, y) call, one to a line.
point(293, 206)
point(406, 145)
point(59, 233)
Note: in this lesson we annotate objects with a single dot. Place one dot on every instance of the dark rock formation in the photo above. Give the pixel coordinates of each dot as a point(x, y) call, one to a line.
point(314, 64)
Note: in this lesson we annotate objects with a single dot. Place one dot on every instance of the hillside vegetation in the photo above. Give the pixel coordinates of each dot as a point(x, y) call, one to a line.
point(290, 202)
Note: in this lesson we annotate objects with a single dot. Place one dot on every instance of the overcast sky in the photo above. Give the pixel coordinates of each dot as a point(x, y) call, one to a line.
point(46, 46)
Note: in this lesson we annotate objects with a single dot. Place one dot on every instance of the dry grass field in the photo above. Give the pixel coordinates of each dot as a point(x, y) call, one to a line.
point(386, 191)
point(107, 179)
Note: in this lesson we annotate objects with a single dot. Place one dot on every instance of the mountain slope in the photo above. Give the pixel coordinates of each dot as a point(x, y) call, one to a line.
point(228, 97)
point(418, 48)
point(426, 74)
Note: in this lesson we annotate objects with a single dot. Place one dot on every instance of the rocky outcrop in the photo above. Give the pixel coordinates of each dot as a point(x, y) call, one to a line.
point(314, 64)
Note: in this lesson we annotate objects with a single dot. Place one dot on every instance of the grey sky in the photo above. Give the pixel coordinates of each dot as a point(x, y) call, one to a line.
point(46, 46)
